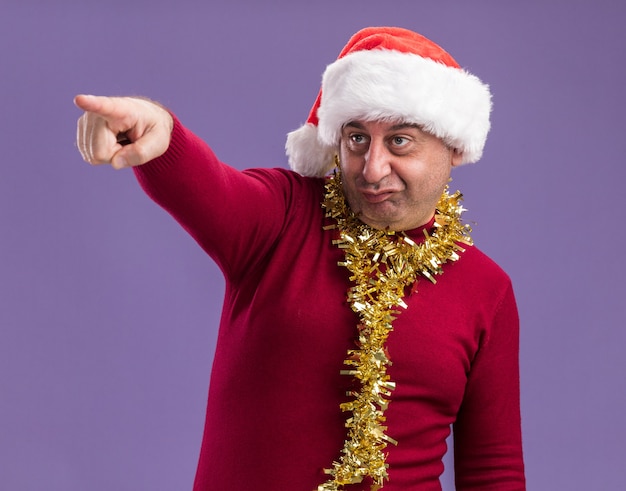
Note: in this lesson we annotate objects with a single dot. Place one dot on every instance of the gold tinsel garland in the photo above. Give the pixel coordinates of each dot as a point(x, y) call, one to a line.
point(383, 265)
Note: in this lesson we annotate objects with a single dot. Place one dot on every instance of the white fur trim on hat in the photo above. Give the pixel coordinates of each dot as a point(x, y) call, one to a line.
point(385, 85)
point(307, 154)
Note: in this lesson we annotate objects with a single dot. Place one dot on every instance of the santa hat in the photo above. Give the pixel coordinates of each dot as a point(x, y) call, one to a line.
point(392, 74)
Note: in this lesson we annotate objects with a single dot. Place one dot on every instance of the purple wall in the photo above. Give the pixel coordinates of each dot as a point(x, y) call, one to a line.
point(108, 310)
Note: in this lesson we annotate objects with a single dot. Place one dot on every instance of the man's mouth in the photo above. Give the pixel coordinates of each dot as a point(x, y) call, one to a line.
point(377, 197)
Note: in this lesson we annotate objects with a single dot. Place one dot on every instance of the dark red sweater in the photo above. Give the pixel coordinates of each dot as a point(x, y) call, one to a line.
point(273, 420)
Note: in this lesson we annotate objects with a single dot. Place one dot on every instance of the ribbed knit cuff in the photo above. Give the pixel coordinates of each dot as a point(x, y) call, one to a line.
point(173, 154)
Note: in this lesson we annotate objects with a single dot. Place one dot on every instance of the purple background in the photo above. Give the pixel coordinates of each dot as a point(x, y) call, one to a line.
point(108, 311)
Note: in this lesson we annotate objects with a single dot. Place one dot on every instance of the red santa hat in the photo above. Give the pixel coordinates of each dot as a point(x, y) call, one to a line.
point(392, 74)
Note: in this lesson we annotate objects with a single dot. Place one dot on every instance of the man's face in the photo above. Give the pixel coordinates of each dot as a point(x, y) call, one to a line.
point(393, 174)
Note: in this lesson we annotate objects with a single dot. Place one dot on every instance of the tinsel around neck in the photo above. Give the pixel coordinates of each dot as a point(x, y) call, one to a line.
point(382, 264)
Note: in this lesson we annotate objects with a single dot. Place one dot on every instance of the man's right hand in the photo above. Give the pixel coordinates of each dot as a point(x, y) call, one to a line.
point(122, 131)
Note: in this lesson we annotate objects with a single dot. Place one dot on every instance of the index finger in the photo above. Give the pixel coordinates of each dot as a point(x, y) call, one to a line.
point(101, 105)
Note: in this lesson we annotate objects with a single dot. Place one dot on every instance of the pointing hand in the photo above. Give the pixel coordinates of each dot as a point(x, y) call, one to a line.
point(122, 131)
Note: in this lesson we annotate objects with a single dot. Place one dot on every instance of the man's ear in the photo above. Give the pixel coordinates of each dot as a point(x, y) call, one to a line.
point(457, 157)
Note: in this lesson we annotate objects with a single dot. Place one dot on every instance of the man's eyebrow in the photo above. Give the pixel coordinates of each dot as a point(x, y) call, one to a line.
point(402, 126)
point(354, 124)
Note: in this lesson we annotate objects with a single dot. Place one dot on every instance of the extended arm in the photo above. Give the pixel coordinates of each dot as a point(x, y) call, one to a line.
point(234, 216)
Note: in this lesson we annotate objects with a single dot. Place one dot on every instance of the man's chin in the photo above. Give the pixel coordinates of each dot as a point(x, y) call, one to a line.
point(380, 222)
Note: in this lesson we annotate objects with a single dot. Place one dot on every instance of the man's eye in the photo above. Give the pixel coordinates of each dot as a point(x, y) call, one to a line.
point(400, 141)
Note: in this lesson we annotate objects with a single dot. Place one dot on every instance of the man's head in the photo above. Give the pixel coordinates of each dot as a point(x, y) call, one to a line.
point(388, 74)
point(393, 173)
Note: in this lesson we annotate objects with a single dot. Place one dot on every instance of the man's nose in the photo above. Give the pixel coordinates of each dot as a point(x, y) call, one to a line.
point(377, 162)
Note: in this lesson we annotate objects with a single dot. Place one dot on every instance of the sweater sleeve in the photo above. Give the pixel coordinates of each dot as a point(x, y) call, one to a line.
point(487, 432)
point(235, 216)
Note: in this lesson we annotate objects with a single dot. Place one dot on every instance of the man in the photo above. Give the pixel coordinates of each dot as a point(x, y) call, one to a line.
point(359, 322)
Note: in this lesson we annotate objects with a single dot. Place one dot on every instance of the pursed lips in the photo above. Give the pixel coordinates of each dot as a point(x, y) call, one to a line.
point(376, 196)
